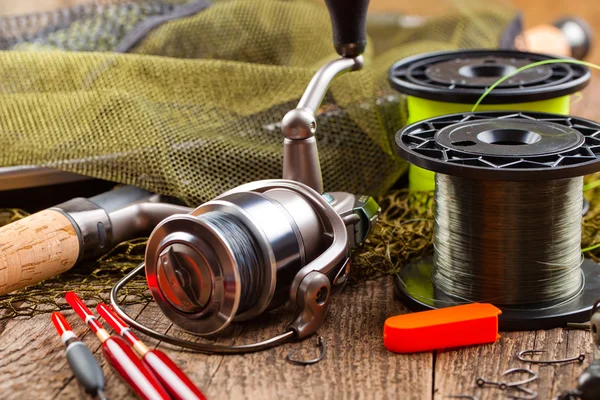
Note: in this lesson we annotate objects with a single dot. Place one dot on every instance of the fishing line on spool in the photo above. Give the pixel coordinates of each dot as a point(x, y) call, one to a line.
point(508, 243)
point(586, 187)
point(484, 229)
point(445, 83)
point(245, 251)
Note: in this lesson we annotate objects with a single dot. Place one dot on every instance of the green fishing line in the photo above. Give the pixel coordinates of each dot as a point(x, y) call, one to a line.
point(590, 248)
point(591, 185)
point(526, 67)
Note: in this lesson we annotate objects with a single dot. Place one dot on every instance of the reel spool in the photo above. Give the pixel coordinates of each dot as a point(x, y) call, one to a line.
point(451, 82)
point(491, 167)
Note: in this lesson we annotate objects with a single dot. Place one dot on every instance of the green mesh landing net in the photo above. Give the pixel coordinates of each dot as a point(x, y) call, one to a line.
point(194, 108)
point(192, 104)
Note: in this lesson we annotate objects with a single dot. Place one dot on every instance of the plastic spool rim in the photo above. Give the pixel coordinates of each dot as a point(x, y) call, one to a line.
point(462, 76)
point(430, 144)
point(434, 144)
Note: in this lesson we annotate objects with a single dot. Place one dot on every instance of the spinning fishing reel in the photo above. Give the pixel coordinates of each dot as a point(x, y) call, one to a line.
point(262, 243)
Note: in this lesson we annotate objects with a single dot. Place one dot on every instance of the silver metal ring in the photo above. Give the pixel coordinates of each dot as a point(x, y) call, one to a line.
point(201, 347)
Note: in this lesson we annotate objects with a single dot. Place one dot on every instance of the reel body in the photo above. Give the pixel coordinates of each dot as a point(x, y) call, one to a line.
point(262, 243)
point(249, 251)
point(199, 272)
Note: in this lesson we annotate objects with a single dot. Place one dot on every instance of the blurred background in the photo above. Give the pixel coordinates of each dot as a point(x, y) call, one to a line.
point(76, 102)
point(535, 12)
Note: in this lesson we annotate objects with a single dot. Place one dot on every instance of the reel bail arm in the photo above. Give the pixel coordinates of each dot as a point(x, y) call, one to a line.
point(300, 154)
point(198, 346)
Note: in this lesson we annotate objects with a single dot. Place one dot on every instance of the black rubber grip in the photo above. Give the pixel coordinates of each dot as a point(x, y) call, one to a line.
point(348, 20)
point(85, 367)
point(120, 197)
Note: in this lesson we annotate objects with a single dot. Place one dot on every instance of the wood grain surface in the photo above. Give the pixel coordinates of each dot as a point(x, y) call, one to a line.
point(33, 366)
point(35, 248)
point(357, 366)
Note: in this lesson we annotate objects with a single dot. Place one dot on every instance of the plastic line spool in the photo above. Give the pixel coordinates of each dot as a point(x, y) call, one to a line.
point(473, 147)
point(451, 82)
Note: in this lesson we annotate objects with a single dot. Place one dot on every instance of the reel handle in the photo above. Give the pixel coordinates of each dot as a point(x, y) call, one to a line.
point(300, 154)
point(348, 20)
point(52, 241)
point(35, 248)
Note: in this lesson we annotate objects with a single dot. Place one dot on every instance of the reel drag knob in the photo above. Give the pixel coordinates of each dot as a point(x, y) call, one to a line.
point(184, 278)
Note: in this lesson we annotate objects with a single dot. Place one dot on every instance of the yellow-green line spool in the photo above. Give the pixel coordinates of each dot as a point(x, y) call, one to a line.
point(451, 82)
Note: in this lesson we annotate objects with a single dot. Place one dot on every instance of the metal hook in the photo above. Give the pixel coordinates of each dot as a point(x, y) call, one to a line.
point(463, 396)
point(320, 343)
point(481, 382)
point(520, 355)
point(532, 395)
point(533, 377)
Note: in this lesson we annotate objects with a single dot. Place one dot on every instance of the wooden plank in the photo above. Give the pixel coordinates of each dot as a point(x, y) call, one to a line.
point(32, 362)
point(199, 367)
point(31, 359)
point(115, 387)
point(561, 343)
point(356, 361)
point(457, 370)
point(356, 366)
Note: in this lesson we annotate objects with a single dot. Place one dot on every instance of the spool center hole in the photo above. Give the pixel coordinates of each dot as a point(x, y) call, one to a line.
point(486, 70)
point(509, 137)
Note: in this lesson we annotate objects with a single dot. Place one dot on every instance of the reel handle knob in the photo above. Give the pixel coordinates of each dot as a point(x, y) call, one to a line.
point(348, 20)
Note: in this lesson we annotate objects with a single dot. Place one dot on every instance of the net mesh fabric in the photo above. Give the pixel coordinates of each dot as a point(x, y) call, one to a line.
point(86, 27)
point(194, 109)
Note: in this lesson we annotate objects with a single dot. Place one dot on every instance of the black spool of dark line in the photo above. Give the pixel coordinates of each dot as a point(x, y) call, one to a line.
point(445, 83)
point(508, 215)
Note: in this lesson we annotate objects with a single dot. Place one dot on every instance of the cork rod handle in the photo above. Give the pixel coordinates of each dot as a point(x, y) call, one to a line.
point(35, 248)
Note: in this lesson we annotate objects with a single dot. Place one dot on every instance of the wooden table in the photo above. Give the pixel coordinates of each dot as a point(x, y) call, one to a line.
point(33, 366)
point(357, 366)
